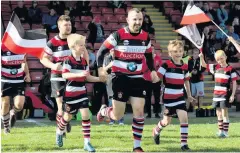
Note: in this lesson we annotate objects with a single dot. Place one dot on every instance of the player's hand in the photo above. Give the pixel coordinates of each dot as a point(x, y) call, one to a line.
point(231, 39)
point(27, 78)
point(192, 100)
point(200, 55)
point(231, 99)
point(102, 75)
point(57, 66)
point(154, 77)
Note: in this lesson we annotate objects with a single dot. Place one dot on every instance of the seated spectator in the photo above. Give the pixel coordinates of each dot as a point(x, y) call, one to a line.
point(232, 33)
point(49, 21)
point(236, 25)
point(59, 6)
point(67, 12)
point(117, 4)
point(147, 22)
point(230, 51)
point(21, 12)
point(234, 11)
point(222, 14)
point(209, 43)
point(83, 9)
point(220, 35)
point(206, 9)
point(34, 14)
point(96, 34)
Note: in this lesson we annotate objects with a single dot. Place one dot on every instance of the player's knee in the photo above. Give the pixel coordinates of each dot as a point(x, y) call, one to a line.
point(85, 117)
point(5, 105)
point(67, 117)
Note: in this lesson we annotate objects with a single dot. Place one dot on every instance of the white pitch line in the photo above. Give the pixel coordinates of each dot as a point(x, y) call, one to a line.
point(36, 122)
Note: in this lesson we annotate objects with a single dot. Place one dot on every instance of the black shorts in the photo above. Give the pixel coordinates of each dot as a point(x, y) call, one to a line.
point(58, 88)
point(12, 89)
point(172, 111)
point(124, 87)
point(221, 104)
point(73, 108)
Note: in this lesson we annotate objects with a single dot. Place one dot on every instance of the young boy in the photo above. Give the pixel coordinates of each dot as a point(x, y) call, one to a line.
point(76, 71)
point(196, 76)
point(224, 74)
point(175, 75)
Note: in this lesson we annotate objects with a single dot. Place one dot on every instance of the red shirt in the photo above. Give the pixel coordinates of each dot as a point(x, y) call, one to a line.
point(146, 72)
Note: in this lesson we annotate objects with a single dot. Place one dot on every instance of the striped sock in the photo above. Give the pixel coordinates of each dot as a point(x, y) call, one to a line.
point(58, 117)
point(5, 120)
point(15, 110)
point(86, 129)
point(159, 127)
point(61, 125)
point(137, 129)
point(184, 133)
point(225, 127)
point(220, 125)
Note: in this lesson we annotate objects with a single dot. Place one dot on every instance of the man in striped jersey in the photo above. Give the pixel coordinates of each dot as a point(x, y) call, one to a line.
point(175, 75)
point(130, 45)
point(14, 72)
point(224, 75)
point(55, 52)
point(76, 71)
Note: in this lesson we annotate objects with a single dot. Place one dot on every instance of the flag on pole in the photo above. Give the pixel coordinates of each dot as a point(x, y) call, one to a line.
point(19, 41)
point(191, 33)
point(194, 15)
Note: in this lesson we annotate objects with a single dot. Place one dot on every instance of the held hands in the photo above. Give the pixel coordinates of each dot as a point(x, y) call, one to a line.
point(57, 67)
point(154, 77)
point(102, 75)
point(84, 74)
point(201, 55)
point(27, 78)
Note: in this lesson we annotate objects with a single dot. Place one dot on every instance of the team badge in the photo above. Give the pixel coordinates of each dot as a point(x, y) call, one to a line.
point(23, 92)
point(120, 94)
point(58, 93)
point(132, 66)
point(8, 53)
point(143, 43)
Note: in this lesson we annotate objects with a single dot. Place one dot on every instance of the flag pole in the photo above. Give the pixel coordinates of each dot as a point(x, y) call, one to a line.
point(220, 29)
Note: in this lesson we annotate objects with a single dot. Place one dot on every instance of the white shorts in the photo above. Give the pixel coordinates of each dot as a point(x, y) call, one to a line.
point(197, 89)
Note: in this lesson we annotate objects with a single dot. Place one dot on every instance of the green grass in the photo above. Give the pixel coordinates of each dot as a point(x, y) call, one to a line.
point(29, 137)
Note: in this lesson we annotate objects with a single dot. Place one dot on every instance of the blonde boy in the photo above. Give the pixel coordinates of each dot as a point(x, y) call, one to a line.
point(175, 76)
point(76, 71)
point(224, 74)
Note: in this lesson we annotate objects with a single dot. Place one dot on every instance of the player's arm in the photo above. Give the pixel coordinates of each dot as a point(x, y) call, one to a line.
point(149, 56)
point(91, 78)
point(234, 85)
point(25, 68)
point(66, 72)
point(187, 87)
point(202, 61)
point(107, 64)
point(108, 44)
point(86, 55)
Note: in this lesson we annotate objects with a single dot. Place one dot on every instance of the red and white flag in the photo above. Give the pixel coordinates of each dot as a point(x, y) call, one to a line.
point(194, 15)
point(19, 41)
point(191, 33)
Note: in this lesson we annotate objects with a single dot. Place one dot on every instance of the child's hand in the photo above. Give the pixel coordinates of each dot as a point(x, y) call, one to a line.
point(231, 99)
point(200, 55)
point(192, 100)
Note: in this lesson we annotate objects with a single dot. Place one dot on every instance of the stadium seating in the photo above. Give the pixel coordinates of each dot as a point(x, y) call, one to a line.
point(96, 10)
point(120, 11)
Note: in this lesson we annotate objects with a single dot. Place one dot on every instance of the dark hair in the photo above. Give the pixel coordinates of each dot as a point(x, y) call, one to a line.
point(67, 9)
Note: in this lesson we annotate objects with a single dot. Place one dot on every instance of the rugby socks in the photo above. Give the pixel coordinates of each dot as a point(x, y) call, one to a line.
point(61, 126)
point(225, 126)
point(137, 129)
point(58, 117)
point(159, 127)
point(184, 133)
point(16, 110)
point(86, 129)
point(220, 125)
point(5, 120)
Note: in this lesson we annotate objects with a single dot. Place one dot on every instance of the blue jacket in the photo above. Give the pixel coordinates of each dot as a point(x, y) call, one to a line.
point(50, 20)
point(222, 15)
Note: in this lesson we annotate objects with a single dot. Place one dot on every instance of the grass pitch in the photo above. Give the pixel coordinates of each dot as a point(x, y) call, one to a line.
point(40, 137)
